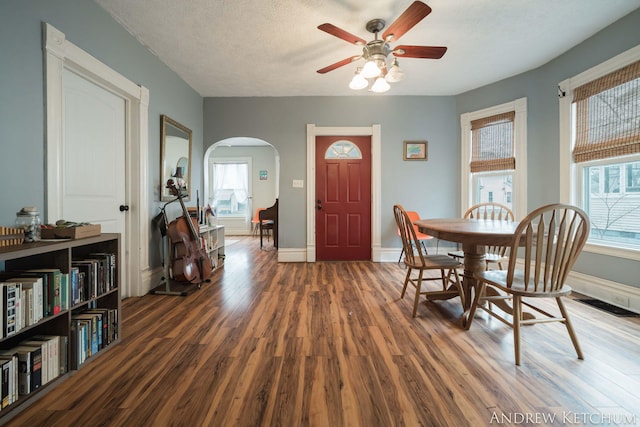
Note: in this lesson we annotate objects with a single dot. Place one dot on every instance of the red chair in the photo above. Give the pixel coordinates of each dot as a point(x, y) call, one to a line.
point(255, 223)
point(421, 237)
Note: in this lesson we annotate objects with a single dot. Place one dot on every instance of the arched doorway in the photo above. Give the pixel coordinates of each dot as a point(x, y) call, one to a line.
point(241, 174)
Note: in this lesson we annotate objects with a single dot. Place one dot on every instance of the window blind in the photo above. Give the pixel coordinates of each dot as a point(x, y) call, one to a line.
point(608, 115)
point(492, 143)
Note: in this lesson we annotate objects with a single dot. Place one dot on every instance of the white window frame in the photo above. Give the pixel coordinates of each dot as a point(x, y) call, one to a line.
point(519, 194)
point(571, 179)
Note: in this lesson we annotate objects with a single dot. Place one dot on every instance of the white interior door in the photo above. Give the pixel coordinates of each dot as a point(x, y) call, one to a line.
point(93, 154)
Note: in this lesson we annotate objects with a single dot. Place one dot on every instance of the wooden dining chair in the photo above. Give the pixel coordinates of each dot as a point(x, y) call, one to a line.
point(419, 262)
point(493, 211)
point(422, 238)
point(549, 240)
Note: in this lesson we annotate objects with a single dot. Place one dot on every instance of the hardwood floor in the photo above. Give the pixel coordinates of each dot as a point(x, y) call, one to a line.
point(331, 344)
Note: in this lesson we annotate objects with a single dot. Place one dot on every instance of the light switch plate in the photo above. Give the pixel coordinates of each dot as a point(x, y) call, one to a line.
point(298, 183)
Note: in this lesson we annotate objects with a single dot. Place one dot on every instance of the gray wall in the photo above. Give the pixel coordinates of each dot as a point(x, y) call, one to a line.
point(430, 187)
point(540, 86)
point(22, 124)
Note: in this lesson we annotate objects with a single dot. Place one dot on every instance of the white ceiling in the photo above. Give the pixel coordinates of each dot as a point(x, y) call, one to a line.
point(225, 48)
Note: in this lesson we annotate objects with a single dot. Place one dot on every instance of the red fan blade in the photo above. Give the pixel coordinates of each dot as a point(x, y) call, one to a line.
point(338, 64)
point(410, 17)
point(341, 34)
point(429, 52)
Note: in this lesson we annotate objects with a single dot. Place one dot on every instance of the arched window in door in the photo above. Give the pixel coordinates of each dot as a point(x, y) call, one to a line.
point(343, 149)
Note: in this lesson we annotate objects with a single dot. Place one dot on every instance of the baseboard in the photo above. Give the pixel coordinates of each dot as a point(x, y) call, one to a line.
point(618, 294)
point(292, 255)
point(150, 279)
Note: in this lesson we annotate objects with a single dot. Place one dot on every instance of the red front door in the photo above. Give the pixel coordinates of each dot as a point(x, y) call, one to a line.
point(343, 198)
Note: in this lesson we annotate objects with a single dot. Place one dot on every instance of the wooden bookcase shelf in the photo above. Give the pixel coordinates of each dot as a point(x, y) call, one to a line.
point(59, 255)
point(213, 236)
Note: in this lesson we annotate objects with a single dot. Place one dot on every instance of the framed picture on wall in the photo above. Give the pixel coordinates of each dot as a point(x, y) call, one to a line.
point(415, 150)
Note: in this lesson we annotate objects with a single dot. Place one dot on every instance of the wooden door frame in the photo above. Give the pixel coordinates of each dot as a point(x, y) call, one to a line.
point(376, 173)
point(59, 54)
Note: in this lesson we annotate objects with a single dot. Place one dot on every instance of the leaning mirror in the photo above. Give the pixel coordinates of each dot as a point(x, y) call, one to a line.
point(176, 157)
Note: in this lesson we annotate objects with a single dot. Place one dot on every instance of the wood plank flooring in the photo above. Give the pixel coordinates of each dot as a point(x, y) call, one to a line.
point(332, 344)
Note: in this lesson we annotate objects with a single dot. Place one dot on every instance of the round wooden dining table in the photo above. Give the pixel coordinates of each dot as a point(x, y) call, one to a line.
point(474, 235)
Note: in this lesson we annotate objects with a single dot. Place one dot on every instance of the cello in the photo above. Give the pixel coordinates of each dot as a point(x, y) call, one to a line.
point(190, 262)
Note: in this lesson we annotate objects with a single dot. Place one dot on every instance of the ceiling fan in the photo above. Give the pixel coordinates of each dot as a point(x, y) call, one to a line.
point(375, 52)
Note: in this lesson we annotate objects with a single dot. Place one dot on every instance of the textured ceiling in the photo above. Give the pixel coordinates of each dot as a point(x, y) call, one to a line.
point(273, 47)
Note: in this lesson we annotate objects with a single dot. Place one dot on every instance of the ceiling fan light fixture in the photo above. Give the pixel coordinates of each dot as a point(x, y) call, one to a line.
point(376, 71)
point(380, 85)
point(370, 70)
point(358, 82)
point(395, 73)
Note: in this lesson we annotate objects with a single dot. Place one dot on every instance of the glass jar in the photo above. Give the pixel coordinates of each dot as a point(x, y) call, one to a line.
point(28, 219)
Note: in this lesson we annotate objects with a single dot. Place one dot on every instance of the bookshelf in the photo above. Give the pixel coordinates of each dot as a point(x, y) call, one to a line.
point(103, 301)
point(213, 238)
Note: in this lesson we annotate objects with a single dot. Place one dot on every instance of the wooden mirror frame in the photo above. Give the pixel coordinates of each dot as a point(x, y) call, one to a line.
point(175, 160)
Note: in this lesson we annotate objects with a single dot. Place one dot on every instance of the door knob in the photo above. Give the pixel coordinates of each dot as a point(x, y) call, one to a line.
point(319, 204)
point(124, 208)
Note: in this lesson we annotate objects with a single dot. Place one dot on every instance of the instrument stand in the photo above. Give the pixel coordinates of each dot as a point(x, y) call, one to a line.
point(166, 279)
point(164, 287)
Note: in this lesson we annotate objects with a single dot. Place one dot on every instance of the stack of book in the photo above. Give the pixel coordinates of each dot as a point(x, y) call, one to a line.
point(91, 331)
point(92, 276)
point(30, 365)
point(28, 296)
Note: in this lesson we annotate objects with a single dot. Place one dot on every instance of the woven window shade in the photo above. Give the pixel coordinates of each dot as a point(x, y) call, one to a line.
point(608, 115)
point(492, 143)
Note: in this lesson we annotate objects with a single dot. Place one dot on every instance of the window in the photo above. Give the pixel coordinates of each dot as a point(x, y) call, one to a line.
point(632, 177)
point(600, 152)
point(612, 206)
point(231, 188)
point(343, 150)
point(494, 156)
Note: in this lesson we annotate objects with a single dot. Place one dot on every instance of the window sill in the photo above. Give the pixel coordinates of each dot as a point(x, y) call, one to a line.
point(611, 251)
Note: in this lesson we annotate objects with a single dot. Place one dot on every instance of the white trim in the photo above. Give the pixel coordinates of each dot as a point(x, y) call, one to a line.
point(376, 183)
point(611, 251)
point(614, 293)
point(520, 151)
point(567, 166)
point(292, 255)
point(59, 54)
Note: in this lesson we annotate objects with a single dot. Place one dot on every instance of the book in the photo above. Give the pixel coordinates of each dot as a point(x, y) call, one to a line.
point(90, 270)
point(9, 306)
point(74, 289)
point(103, 325)
point(109, 262)
point(13, 382)
point(6, 378)
point(79, 335)
point(52, 288)
point(34, 303)
point(44, 358)
point(29, 367)
point(27, 306)
point(64, 291)
point(82, 286)
point(53, 351)
point(64, 354)
point(92, 344)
